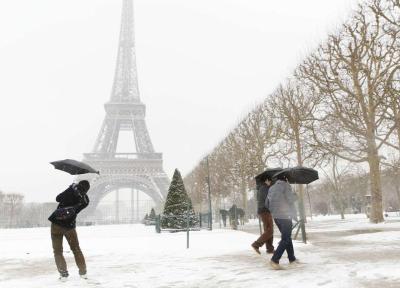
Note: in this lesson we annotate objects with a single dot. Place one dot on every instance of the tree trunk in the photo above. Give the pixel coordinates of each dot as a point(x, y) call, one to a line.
point(244, 198)
point(216, 210)
point(11, 216)
point(301, 188)
point(338, 188)
point(341, 206)
point(376, 214)
point(396, 187)
point(396, 114)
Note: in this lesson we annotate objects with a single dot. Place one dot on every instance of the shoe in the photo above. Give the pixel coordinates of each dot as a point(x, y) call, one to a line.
point(275, 265)
point(83, 276)
point(270, 251)
point(63, 276)
point(295, 262)
point(255, 247)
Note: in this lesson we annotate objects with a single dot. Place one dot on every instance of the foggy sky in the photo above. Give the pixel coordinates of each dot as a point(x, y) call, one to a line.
point(202, 65)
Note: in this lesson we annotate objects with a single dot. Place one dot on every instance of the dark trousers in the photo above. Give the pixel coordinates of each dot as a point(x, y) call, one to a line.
point(224, 220)
point(285, 227)
point(268, 236)
point(57, 234)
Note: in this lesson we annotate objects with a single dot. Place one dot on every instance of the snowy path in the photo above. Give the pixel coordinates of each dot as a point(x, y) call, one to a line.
point(135, 256)
point(368, 255)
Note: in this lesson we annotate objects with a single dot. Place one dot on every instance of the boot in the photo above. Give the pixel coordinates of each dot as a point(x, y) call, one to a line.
point(256, 248)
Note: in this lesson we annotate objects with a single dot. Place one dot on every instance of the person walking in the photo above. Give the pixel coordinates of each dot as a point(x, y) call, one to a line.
point(264, 214)
point(223, 213)
point(233, 217)
point(73, 200)
point(281, 203)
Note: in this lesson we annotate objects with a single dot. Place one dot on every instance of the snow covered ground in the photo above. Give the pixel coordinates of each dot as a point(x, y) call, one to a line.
point(340, 253)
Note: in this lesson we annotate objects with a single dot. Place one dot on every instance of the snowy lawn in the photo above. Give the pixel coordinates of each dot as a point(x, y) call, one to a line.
point(340, 253)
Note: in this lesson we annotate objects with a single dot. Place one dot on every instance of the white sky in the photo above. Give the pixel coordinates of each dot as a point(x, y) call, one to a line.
point(202, 64)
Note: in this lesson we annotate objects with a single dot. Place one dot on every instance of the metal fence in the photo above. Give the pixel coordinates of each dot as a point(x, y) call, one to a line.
point(184, 222)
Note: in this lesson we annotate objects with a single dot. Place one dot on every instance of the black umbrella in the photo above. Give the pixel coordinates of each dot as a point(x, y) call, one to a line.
point(260, 178)
point(73, 167)
point(299, 175)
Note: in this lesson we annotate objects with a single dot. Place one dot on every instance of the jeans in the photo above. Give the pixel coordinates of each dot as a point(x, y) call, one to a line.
point(285, 227)
point(57, 234)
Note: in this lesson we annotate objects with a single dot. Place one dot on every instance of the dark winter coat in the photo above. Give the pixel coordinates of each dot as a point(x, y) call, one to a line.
point(262, 192)
point(281, 201)
point(70, 198)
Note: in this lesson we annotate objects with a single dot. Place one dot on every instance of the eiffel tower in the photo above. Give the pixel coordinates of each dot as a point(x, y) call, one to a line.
point(142, 170)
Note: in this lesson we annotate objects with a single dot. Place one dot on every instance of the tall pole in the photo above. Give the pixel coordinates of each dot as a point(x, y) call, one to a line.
point(132, 204)
point(209, 194)
point(137, 205)
point(117, 206)
point(302, 215)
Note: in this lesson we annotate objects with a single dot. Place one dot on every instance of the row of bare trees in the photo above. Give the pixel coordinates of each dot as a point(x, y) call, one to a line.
point(340, 108)
point(10, 207)
point(15, 213)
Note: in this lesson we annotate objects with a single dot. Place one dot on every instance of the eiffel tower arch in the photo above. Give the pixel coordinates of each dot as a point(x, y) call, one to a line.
point(141, 170)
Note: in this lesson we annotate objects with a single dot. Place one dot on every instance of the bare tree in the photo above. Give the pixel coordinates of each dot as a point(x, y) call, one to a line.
point(13, 203)
point(196, 185)
point(335, 178)
point(351, 73)
point(388, 10)
point(392, 172)
point(260, 136)
point(239, 176)
point(388, 13)
point(293, 108)
point(2, 210)
point(1, 198)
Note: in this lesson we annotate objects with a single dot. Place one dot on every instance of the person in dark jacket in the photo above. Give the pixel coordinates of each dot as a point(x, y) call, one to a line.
point(223, 213)
point(73, 200)
point(233, 216)
point(281, 202)
point(264, 214)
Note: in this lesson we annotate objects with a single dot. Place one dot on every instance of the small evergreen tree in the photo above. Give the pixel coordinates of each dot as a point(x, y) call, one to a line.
point(178, 205)
point(152, 215)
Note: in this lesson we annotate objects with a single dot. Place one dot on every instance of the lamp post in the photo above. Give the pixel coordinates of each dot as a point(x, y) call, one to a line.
point(209, 195)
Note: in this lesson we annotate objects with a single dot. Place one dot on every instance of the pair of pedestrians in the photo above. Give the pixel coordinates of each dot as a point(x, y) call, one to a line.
point(279, 204)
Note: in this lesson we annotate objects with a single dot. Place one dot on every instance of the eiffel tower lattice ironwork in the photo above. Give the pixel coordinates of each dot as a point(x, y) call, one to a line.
point(142, 170)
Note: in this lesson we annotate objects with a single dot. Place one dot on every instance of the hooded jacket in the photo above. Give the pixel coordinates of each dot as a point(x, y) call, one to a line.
point(281, 201)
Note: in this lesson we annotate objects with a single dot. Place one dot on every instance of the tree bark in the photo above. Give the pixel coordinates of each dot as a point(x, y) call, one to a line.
point(376, 214)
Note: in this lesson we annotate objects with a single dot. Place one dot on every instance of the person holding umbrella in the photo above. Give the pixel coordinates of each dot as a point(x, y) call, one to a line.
point(73, 200)
point(63, 220)
point(281, 203)
point(264, 214)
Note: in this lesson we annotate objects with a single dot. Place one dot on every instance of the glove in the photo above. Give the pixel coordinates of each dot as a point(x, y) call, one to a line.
point(77, 193)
